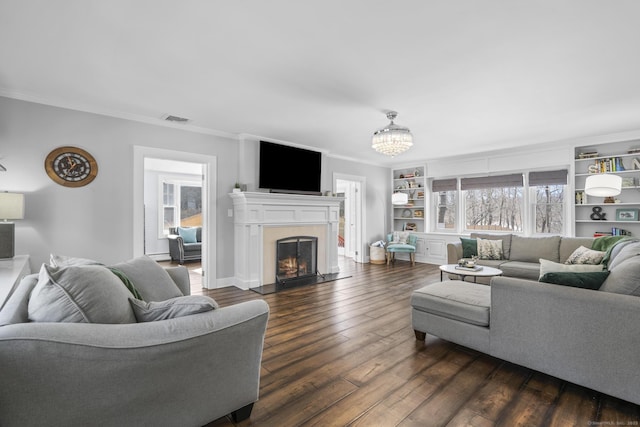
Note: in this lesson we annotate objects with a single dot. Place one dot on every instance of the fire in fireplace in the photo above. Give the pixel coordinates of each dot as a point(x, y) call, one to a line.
point(296, 257)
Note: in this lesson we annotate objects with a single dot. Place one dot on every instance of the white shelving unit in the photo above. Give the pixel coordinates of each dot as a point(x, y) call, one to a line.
point(611, 158)
point(412, 216)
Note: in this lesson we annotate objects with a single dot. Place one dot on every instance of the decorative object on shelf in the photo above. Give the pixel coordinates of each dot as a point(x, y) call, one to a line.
point(588, 155)
point(581, 198)
point(411, 226)
point(418, 213)
point(71, 166)
point(399, 198)
point(626, 214)
point(420, 194)
point(597, 214)
point(636, 164)
point(628, 181)
point(407, 213)
point(392, 139)
point(603, 185)
point(11, 207)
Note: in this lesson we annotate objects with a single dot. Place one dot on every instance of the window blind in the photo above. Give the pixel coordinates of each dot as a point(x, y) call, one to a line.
point(558, 177)
point(496, 181)
point(438, 185)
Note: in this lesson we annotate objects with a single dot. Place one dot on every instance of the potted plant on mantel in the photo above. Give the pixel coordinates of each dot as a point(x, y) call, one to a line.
point(237, 188)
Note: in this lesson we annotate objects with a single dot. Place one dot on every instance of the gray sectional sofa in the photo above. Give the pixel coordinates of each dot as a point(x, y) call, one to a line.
point(522, 254)
point(586, 336)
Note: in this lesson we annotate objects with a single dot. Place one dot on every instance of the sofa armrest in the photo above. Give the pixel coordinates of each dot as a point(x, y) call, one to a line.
point(211, 360)
point(454, 252)
point(584, 336)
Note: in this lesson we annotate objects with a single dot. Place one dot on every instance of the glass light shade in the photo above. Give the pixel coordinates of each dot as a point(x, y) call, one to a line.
point(11, 206)
point(392, 139)
point(603, 185)
point(399, 198)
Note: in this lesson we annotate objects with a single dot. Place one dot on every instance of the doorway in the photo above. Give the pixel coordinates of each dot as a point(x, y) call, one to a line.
point(186, 182)
point(352, 218)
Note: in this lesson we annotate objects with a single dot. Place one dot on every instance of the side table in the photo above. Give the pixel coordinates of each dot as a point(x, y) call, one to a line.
point(12, 270)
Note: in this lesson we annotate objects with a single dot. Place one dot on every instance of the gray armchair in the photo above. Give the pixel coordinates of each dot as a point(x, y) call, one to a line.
point(185, 371)
point(182, 251)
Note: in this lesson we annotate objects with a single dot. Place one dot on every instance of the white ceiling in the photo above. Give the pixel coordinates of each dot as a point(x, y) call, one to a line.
point(464, 75)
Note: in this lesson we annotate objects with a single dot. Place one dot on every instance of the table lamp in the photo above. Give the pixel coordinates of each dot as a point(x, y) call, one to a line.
point(11, 207)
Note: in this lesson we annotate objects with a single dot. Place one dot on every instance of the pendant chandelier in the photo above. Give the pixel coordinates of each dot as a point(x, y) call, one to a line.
point(392, 139)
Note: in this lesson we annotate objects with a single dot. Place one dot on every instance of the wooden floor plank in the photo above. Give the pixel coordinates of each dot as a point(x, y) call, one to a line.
point(343, 353)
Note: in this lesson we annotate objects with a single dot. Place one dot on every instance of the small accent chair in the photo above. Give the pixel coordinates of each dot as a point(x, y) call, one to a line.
point(407, 248)
point(181, 250)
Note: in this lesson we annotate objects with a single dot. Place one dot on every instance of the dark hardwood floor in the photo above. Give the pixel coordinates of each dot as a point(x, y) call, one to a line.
point(344, 353)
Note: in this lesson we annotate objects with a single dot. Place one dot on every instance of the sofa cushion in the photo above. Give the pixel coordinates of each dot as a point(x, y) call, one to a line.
point(457, 300)
point(81, 294)
point(149, 278)
point(522, 270)
point(506, 241)
point(586, 280)
point(547, 266)
point(584, 255)
point(171, 308)
point(489, 249)
point(188, 234)
point(570, 244)
point(624, 278)
point(623, 251)
point(469, 247)
point(531, 249)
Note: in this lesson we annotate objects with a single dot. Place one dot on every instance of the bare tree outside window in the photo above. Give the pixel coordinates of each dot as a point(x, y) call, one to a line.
point(497, 209)
point(446, 202)
point(549, 208)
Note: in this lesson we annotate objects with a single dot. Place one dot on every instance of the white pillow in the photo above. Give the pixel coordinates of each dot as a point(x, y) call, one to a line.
point(584, 255)
point(547, 266)
point(489, 249)
point(400, 237)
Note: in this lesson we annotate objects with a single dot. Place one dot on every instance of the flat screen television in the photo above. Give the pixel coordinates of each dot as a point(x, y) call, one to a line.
point(286, 169)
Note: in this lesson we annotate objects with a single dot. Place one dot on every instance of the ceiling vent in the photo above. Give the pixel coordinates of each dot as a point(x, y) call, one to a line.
point(174, 119)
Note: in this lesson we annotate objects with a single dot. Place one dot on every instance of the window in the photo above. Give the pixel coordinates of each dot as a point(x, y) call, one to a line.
point(445, 192)
point(181, 205)
point(493, 203)
point(549, 188)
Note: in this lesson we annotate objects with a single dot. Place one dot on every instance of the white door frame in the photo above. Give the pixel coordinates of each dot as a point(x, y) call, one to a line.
point(209, 171)
point(360, 214)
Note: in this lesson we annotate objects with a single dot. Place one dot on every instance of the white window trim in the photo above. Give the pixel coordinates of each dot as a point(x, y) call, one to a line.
point(177, 183)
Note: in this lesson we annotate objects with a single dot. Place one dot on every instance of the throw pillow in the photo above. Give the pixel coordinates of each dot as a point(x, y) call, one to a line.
point(624, 278)
point(126, 282)
point(171, 308)
point(68, 261)
point(547, 266)
point(188, 234)
point(469, 247)
point(586, 280)
point(506, 241)
point(400, 237)
point(584, 255)
point(489, 249)
point(81, 294)
point(149, 278)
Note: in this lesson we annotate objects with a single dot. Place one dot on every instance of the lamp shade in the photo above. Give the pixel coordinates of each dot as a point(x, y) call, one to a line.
point(11, 206)
point(399, 198)
point(603, 185)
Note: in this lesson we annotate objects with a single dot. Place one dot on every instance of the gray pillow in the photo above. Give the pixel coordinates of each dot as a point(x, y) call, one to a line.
point(622, 251)
point(149, 278)
point(531, 249)
point(171, 308)
point(80, 294)
point(624, 278)
point(68, 261)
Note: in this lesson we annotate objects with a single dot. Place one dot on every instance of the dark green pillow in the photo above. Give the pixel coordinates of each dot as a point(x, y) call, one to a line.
point(587, 279)
point(126, 281)
point(469, 247)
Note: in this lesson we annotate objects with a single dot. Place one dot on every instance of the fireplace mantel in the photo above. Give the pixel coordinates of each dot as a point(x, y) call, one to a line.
point(254, 211)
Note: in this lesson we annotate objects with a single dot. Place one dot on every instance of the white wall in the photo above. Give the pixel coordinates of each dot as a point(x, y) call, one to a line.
point(95, 221)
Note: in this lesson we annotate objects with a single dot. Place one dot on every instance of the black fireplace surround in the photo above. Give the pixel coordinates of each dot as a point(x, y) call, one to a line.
point(296, 258)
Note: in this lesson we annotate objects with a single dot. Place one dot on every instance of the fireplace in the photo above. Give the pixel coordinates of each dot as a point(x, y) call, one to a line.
point(296, 258)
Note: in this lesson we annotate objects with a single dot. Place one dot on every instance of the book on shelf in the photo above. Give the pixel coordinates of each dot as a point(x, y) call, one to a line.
point(588, 155)
point(615, 231)
point(468, 268)
point(611, 164)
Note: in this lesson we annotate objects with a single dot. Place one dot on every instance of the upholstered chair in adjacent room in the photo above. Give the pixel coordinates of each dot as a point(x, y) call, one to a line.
point(401, 242)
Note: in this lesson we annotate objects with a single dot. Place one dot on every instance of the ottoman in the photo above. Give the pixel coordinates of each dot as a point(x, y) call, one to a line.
point(453, 310)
